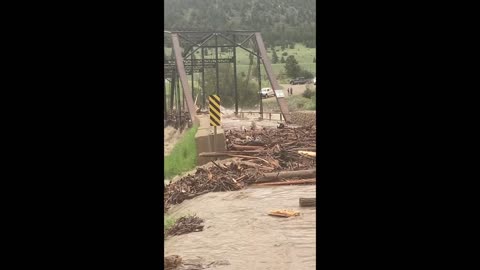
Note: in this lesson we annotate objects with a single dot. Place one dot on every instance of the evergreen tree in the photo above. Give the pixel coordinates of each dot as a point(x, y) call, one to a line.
point(292, 68)
point(314, 60)
point(282, 60)
point(274, 57)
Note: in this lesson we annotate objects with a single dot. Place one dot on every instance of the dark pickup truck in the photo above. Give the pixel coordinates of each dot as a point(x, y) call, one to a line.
point(299, 81)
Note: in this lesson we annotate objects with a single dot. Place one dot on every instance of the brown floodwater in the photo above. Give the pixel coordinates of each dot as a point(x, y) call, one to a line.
point(239, 233)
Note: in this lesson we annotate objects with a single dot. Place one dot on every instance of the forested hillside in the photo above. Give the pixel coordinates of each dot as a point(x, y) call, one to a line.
point(280, 21)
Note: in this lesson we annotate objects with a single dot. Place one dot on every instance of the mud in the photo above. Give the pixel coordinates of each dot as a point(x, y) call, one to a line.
point(239, 232)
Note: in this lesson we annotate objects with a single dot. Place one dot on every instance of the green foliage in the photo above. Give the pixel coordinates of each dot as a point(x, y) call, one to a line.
point(274, 57)
point(292, 69)
point(308, 93)
point(168, 222)
point(305, 74)
point(292, 20)
point(282, 60)
point(295, 103)
point(284, 53)
point(314, 60)
point(183, 156)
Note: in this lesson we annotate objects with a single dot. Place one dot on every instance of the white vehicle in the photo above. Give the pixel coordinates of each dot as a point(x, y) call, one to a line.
point(267, 92)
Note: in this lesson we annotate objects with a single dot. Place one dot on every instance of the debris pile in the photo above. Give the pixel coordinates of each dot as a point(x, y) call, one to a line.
point(185, 225)
point(223, 177)
point(276, 148)
point(303, 118)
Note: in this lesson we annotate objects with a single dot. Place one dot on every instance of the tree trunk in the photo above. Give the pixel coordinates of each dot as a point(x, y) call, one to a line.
point(291, 182)
point(275, 176)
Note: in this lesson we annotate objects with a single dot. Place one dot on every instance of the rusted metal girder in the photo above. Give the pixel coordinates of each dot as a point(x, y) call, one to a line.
point(187, 62)
point(187, 92)
point(282, 102)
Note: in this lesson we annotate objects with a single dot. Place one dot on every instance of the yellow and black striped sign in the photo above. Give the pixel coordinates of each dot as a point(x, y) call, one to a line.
point(214, 108)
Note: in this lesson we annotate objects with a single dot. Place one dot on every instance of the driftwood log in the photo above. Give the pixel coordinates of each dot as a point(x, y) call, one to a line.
point(275, 176)
point(291, 182)
point(306, 202)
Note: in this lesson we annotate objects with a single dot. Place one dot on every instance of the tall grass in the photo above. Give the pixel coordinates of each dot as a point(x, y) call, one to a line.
point(168, 222)
point(183, 157)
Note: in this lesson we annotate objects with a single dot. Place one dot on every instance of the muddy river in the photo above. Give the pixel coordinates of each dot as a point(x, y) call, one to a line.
point(238, 233)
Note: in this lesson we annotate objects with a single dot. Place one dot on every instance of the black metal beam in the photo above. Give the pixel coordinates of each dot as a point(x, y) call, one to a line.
point(216, 60)
point(260, 86)
point(235, 76)
point(241, 46)
point(198, 44)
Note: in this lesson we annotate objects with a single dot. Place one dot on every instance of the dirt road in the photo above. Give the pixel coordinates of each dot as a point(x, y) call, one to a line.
point(298, 89)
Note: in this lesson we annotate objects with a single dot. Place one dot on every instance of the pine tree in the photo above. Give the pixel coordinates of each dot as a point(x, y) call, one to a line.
point(314, 60)
point(282, 60)
point(274, 57)
point(291, 67)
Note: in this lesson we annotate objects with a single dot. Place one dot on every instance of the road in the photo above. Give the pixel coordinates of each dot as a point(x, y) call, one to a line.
point(297, 89)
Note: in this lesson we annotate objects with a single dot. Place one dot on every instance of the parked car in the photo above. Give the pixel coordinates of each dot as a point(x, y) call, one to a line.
point(267, 92)
point(300, 80)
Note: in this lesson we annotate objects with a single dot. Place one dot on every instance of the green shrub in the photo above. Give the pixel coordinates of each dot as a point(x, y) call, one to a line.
point(309, 93)
point(168, 222)
point(305, 74)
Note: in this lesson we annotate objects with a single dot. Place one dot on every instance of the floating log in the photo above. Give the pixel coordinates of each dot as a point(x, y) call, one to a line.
point(308, 153)
point(290, 182)
point(271, 177)
point(306, 202)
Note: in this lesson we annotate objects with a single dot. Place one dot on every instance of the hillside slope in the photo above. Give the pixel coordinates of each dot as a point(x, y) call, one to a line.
point(280, 21)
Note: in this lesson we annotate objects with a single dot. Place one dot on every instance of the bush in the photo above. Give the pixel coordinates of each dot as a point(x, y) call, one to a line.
point(306, 74)
point(309, 93)
point(285, 54)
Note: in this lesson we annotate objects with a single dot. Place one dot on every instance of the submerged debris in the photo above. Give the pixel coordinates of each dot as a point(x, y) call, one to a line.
point(185, 225)
point(260, 151)
point(232, 176)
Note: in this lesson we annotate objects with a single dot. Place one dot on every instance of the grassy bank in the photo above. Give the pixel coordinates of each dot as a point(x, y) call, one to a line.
point(168, 222)
point(183, 157)
point(295, 103)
